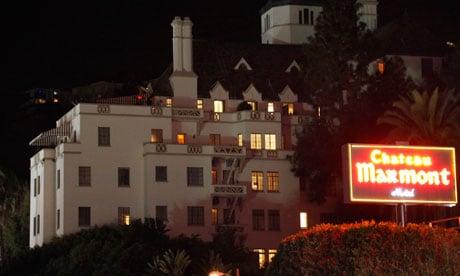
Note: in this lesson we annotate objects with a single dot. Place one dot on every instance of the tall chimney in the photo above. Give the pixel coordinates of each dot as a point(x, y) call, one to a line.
point(177, 43)
point(187, 50)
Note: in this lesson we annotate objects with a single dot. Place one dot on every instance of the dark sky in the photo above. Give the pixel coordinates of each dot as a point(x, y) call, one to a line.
point(71, 43)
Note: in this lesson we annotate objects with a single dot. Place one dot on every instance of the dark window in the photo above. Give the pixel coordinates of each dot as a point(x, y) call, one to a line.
point(427, 67)
point(228, 177)
point(58, 179)
point(35, 226)
point(300, 17)
point(84, 216)
point(161, 213)
point(123, 177)
point(38, 185)
point(305, 16)
point(214, 139)
point(273, 220)
point(35, 187)
point(195, 215)
point(161, 173)
point(103, 136)
point(38, 224)
point(229, 217)
point(84, 176)
point(58, 219)
point(123, 215)
point(194, 176)
point(312, 18)
point(258, 220)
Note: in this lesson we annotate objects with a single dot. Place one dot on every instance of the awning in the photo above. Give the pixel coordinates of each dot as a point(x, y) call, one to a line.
point(52, 137)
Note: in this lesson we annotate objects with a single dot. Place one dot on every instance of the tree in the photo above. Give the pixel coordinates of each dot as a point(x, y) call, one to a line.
point(338, 54)
point(16, 233)
point(170, 263)
point(425, 118)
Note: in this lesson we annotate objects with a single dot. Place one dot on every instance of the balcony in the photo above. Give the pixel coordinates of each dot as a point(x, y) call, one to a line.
point(244, 115)
point(195, 149)
point(228, 190)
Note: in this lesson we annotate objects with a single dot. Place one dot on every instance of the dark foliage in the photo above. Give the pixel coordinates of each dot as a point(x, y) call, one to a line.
point(244, 106)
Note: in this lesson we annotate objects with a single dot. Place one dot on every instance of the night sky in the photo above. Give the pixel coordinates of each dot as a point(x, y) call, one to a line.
point(67, 44)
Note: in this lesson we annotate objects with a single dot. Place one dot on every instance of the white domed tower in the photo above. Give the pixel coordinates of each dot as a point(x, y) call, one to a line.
point(293, 21)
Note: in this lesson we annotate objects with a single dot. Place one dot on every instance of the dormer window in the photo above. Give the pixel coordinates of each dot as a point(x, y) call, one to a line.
point(253, 105)
point(199, 104)
point(168, 102)
point(271, 107)
point(218, 106)
point(242, 65)
point(288, 108)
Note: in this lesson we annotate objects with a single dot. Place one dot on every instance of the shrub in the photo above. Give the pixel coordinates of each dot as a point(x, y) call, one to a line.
point(243, 106)
point(369, 248)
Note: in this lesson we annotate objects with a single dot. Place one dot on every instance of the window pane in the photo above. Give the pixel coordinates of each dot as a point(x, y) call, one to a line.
point(168, 102)
point(214, 139)
point(84, 176)
point(257, 181)
point(124, 216)
point(123, 177)
point(273, 181)
point(258, 220)
point(303, 220)
point(161, 213)
point(195, 215)
point(214, 216)
point(240, 140)
point(58, 179)
point(161, 173)
point(38, 185)
point(84, 216)
point(194, 176)
point(58, 219)
point(199, 104)
point(271, 254)
point(256, 141)
point(181, 138)
point(218, 106)
point(156, 136)
point(271, 107)
point(270, 141)
point(38, 224)
point(253, 105)
point(273, 220)
point(261, 253)
point(104, 136)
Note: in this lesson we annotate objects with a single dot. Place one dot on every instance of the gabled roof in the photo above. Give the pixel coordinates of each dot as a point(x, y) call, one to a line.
point(215, 61)
point(275, 3)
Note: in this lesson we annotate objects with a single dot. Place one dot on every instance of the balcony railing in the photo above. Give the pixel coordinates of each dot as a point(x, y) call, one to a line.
point(236, 227)
point(196, 149)
point(189, 113)
point(228, 190)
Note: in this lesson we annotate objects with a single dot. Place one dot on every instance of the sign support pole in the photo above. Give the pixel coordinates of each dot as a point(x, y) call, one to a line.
point(403, 214)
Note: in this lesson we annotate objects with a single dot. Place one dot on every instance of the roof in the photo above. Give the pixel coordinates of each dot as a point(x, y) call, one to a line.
point(215, 62)
point(276, 3)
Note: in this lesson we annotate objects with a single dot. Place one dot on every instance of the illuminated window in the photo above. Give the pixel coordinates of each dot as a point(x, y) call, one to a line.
point(262, 260)
point(214, 216)
point(123, 216)
point(273, 220)
point(258, 220)
point(273, 184)
point(240, 139)
point(199, 104)
point(156, 136)
point(270, 141)
point(256, 141)
point(271, 254)
point(303, 220)
point(214, 139)
point(214, 177)
point(181, 138)
point(218, 106)
point(168, 102)
point(381, 67)
point(288, 108)
point(257, 181)
point(253, 105)
point(271, 107)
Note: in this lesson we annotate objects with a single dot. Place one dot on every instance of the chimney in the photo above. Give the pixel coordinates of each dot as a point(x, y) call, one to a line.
point(177, 43)
point(187, 50)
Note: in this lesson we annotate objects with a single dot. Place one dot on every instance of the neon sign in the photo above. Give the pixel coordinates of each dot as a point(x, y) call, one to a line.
point(399, 174)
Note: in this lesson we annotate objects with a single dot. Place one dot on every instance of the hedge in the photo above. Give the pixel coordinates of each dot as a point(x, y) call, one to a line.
point(369, 248)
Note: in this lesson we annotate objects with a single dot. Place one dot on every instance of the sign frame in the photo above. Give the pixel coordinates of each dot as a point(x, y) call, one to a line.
point(347, 167)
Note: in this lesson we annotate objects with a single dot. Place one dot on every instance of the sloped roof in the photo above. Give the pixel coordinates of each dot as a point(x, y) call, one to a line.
point(215, 62)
